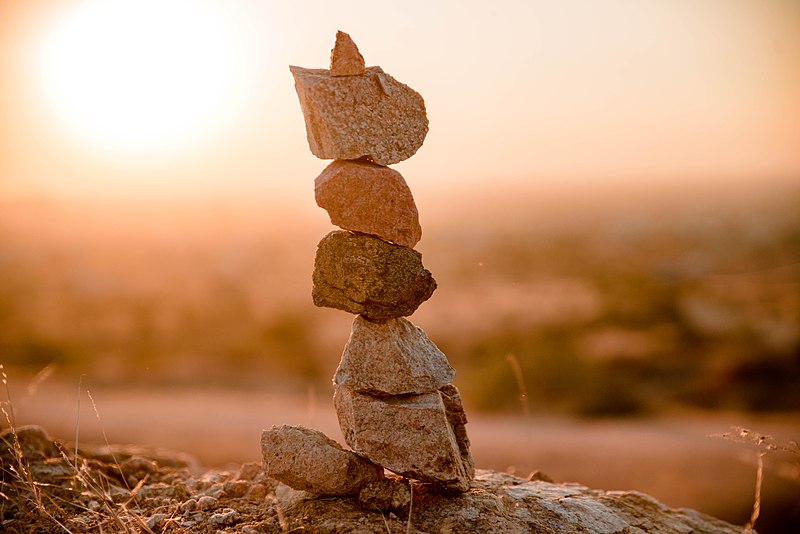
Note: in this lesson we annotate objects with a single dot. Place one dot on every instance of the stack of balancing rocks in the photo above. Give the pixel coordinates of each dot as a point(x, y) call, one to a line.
point(393, 394)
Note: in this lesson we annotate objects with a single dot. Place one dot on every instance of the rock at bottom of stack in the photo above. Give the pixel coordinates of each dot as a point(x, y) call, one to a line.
point(308, 460)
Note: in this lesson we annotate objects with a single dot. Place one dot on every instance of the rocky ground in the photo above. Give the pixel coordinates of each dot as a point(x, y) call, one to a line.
point(46, 487)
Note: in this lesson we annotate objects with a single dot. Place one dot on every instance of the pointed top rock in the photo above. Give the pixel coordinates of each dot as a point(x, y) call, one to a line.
point(346, 60)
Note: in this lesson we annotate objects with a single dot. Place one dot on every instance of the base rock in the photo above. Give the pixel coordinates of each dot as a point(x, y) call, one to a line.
point(407, 434)
point(500, 503)
point(308, 460)
point(496, 503)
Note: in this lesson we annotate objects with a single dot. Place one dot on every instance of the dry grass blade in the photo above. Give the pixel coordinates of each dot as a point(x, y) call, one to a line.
point(757, 502)
point(40, 378)
point(410, 507)
point(764, 444)
point(519, 377)
point(281, 516)
point(385, 523)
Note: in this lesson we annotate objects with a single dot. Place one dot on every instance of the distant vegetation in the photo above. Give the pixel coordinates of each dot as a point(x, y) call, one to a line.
point(609, 307)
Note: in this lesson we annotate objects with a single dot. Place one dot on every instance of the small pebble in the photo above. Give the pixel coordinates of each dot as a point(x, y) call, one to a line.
point(257, 491)
point(249, 471)
point(205, 502)
point(216, 490)
point(156, 520)
point(189, 505)
point(226, 517)
point(236, 489)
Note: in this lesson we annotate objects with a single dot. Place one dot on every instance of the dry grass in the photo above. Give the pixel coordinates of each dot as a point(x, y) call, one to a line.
point(44, 505)
point(763, 445)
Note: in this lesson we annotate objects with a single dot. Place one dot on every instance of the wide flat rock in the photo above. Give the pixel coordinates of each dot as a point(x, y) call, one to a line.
point(371, 199)
point(393, 358)
point(365, 275)
point(369, 115)
point(407, 434)
point(498, 503)
point(308, 460)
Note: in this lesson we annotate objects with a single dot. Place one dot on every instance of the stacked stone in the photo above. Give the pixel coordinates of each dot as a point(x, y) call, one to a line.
point(392, 390)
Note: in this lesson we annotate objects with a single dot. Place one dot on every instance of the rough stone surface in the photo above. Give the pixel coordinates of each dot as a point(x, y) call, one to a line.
point(392, 493)
point(500, 503)
point(346, 60)
point(407, 434)
point(364, 275)
point(370, 115)
point(370, 199)
point(496, 503)
point(307, 460)
point(393, 358)
point(33, 441)
point(454, 410)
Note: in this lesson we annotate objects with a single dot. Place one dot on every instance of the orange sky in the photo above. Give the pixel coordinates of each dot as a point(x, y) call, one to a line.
point(194, 98)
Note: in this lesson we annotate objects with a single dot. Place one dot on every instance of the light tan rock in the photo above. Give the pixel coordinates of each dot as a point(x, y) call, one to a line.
point(308, 460)
point(393, 358)
point(364, 197)
point(371, 115)
point(454, 410)
point(346, 60)
point(407, 434)
point(364, 275)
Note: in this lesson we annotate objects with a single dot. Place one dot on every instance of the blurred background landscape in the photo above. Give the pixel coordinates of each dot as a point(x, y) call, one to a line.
point(609, 199)
point(611, 306)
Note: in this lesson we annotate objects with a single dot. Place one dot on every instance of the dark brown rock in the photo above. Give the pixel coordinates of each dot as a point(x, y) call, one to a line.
point(364, 275)
point(29, 441)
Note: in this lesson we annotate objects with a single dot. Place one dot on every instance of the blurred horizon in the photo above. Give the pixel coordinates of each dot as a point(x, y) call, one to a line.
point(177, 99)
point(607, 192)
point(686, 297)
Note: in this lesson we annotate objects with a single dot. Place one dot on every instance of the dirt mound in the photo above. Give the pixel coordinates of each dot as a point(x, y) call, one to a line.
point(46, 487)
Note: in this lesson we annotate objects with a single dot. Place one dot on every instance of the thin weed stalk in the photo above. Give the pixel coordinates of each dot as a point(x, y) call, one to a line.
point(524, 401)
point(78, 419)
point(410, 507)
point(519, 377)
point(757, 501)
point(764, 445)
point(22, 470)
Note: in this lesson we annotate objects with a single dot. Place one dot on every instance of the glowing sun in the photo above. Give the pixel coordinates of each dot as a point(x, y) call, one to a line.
point(139, 77)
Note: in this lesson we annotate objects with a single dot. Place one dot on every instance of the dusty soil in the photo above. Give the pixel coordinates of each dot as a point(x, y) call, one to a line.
point(47, 486)
point(671, 458)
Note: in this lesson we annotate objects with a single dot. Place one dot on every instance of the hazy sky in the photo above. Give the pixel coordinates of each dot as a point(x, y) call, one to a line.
point(194, 98)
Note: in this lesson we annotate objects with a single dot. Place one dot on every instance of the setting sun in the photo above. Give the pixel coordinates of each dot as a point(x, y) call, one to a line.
point(139, 77)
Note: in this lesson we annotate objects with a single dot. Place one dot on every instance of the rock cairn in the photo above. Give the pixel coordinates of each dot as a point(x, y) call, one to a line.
point(393, 394)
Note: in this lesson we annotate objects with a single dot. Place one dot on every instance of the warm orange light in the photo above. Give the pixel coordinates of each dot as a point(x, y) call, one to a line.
point(139, 77)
